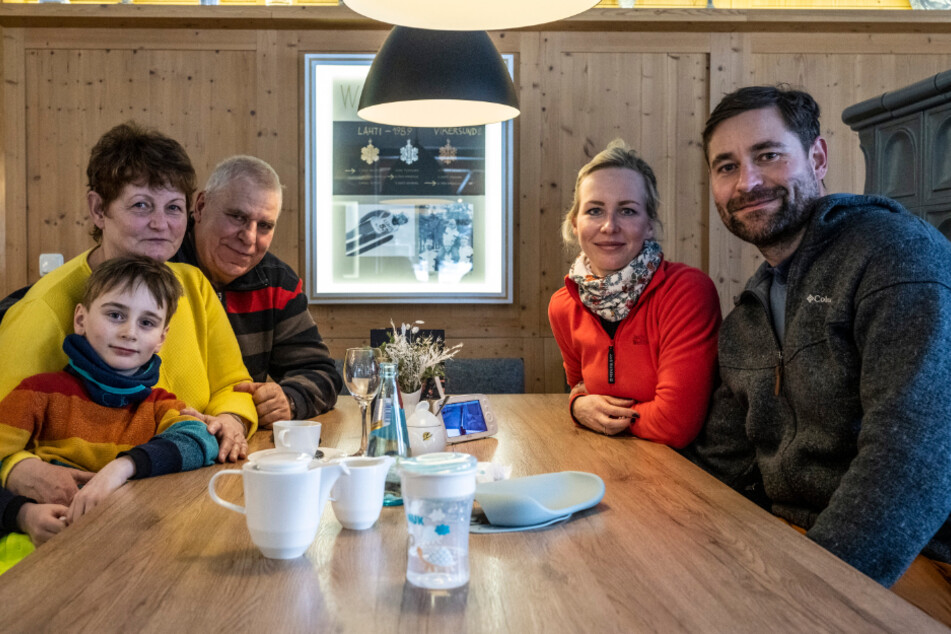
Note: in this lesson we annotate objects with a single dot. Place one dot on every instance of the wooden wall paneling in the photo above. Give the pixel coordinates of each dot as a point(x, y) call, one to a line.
point(275, 127)
point(687, 201)
point(527, 243)
point(643, 41)
point(74, 96)
point(554, 374)
point(732, 261)
point(547, 188)
point(206, 99)
point(877, 44)
point(13, 201)
point(559, 162)
point(533, 354)
point(211, 102)
point(339, 41)
point(139, 39)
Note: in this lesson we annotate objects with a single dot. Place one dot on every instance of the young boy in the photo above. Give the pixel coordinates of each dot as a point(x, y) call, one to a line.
point(100, 413)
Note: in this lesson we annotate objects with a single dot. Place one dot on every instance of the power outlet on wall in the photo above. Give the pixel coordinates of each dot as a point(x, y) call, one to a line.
point(49, 261)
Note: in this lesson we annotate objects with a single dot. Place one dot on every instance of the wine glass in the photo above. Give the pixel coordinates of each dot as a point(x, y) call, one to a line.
point(361, 373)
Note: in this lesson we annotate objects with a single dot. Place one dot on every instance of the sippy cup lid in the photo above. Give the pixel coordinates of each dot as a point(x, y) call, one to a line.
point(442, 463)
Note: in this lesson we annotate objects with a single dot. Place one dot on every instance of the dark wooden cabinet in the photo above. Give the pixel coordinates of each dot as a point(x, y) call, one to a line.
point(905, 136)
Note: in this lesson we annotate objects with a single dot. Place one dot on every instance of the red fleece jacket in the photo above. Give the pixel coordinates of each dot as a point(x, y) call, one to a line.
point(665, 351)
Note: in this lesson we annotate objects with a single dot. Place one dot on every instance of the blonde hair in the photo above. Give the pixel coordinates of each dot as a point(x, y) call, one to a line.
point(616, 154)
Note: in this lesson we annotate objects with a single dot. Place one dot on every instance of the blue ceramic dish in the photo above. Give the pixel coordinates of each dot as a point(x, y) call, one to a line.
point(539, 498)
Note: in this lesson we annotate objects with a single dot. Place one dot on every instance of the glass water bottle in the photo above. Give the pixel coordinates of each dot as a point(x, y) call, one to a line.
point(388, 435)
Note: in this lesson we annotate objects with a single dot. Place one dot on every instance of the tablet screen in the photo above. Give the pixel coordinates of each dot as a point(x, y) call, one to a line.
point(463, 418)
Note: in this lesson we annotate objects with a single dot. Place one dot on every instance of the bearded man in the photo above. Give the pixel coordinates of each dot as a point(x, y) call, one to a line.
point(834, 411)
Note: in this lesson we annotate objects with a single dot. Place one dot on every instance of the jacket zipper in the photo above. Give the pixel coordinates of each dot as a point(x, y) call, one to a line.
point(611, 362)
point(779, 373)
point(778, 369)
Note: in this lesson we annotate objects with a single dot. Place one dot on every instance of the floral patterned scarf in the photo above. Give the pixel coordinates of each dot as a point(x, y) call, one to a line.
point(614, 296)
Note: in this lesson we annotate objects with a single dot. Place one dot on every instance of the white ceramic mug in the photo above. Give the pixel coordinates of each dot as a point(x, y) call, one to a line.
point(357, 497)
point(302, 436)
point(284, 496)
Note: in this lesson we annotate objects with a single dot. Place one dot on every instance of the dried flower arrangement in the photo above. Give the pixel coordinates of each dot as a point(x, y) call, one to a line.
point(417, 358)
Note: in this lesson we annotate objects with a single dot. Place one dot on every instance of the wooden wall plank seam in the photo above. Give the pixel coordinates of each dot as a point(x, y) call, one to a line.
point(731, 261)
point(165, 39)
point(14, 258)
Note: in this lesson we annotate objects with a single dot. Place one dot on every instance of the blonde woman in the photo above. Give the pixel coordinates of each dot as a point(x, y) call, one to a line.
point(637, 333)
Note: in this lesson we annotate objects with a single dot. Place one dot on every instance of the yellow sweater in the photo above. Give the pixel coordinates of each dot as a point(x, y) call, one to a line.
point(201, 361)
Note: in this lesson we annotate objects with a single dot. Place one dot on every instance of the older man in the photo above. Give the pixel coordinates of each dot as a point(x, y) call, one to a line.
point(228, 239)
point(834, 411)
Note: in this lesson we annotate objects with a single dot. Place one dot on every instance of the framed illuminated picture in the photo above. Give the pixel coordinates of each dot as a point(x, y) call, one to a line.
point(401, 214)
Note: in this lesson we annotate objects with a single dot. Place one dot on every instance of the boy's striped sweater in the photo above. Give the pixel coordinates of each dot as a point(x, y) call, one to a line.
point(51, 416)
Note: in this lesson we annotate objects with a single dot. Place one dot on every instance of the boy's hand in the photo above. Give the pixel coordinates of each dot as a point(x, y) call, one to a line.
point(109, 478)
point(41, 521)
point(232, 445)
point(46, 483)
point(270, 402)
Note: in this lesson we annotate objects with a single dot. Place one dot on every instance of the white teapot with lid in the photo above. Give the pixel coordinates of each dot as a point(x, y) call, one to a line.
point(284, 496)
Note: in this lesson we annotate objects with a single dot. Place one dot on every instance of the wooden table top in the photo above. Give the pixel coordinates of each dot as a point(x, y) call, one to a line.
point(668, 549)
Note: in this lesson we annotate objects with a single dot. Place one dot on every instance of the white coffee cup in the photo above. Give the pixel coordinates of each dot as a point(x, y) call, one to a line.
point(284, 496)
point(357, 497)
point(302, 436)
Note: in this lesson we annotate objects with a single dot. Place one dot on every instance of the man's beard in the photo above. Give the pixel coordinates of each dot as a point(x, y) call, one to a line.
point(765, 229)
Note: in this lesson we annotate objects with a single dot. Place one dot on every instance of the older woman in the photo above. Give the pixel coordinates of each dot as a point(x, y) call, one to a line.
point(637, 333)
point(140, 188)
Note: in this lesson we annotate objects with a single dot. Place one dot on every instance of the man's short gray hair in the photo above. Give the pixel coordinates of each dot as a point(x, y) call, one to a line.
point(243, 166)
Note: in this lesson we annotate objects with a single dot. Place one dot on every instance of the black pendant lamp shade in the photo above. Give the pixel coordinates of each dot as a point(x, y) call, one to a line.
point(426, 78)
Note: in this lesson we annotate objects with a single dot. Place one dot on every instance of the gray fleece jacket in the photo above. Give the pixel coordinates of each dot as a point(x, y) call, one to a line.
point(845, 428)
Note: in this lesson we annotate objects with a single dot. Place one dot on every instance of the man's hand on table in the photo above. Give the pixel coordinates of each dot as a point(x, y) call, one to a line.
point(608, 415)
point(46, 483)
point(232, 445)
point(269, 400)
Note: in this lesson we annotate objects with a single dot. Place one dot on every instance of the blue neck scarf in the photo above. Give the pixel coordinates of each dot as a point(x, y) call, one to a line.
point(106, 386)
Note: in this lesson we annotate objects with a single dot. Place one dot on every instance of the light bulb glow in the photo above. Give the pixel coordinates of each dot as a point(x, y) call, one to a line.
point(469, 15)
